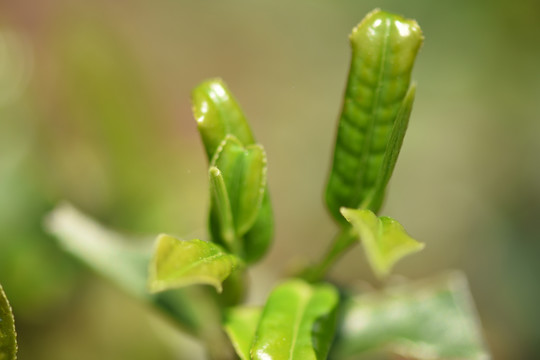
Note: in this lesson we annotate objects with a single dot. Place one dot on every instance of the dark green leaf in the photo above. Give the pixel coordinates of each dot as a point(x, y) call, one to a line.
point(384, 47)
point(8, 337)
point(240, 324)
point(433, 319)
point(177, 263)
point(384, 239)
point(298, 322)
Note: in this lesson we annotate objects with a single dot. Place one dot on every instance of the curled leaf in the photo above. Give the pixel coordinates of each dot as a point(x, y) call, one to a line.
point(384, 47)
point(384, 239)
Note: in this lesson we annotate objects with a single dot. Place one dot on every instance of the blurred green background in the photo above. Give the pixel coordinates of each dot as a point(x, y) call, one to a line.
point(94, 109)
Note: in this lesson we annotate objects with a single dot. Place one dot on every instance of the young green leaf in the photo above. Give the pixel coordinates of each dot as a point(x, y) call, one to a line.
point(240, 325)
point(221, 205)
point(298, 322)
point(177, 263)
point(384, 47)
point(375, 200)
point(384, 239)
point(218, 114)
point(433, 319)
point(8, 337)
point(118, 259)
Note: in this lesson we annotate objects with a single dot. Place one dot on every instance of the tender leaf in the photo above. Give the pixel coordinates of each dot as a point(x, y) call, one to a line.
point(118, 259)
point(218, 114)
point(222, 208)
point(384, 239)
point(392, 151)
point(177, 263)
point(244, 174)
point(434, 319)
point(384, 47)
point(240, 325)
point(8, 337)
point(298, 322)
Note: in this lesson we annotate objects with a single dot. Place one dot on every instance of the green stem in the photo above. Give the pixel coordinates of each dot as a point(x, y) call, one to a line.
point(342, 242)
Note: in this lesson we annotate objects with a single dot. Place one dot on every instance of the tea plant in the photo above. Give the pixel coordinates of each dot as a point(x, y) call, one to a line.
point(304, 317)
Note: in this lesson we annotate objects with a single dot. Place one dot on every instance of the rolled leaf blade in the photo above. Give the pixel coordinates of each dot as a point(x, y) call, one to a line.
point(240, 325)
point(431, 319)
point(221, 205)
point(384, 47)
point(244, 174)
point(384, 239)
point(8, 336)
point(218, 114)
point(391, 154)
point(298, 322)
point(178, 263)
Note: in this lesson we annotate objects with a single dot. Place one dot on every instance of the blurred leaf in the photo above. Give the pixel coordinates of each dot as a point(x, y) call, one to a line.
point(384, 47)
point(298, 322)
point(218, 115)
point(8, 337)
point(240, 324)
point(384, 239)
point(428, 320)
point(244, 173)
point(177, 263)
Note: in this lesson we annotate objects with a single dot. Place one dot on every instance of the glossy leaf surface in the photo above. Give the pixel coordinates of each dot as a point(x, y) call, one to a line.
point(8, 337)
point(218, 115)
point(244, 174)
point(384, 47)
point(384, 239)
point(433, 319)
point(240, 324)
point(298, 322)
point(177, 263)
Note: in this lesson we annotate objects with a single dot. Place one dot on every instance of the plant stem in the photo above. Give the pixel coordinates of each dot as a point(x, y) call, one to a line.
point(342, 242)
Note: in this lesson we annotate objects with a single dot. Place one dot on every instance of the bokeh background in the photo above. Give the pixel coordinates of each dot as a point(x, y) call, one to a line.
point(94, 109)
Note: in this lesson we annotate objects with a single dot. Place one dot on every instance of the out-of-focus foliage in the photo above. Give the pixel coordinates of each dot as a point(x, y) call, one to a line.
point(101, 118)
point(8, 337)
point(434, 319)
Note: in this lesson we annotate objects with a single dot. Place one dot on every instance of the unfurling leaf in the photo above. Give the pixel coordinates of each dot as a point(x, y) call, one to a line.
point(219, 116)
point(177, 263)
point(384, 239)
point(8, 337)
point(297, 322)
point(432, 319)
point(244, 175)
point(240, 325)
point(384, 47)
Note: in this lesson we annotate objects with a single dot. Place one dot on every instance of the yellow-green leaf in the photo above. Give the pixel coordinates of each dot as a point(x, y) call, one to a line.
point(177, 263)
point(384, 239)
point(240, 325)
point(298, 322)
point(8, 338)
